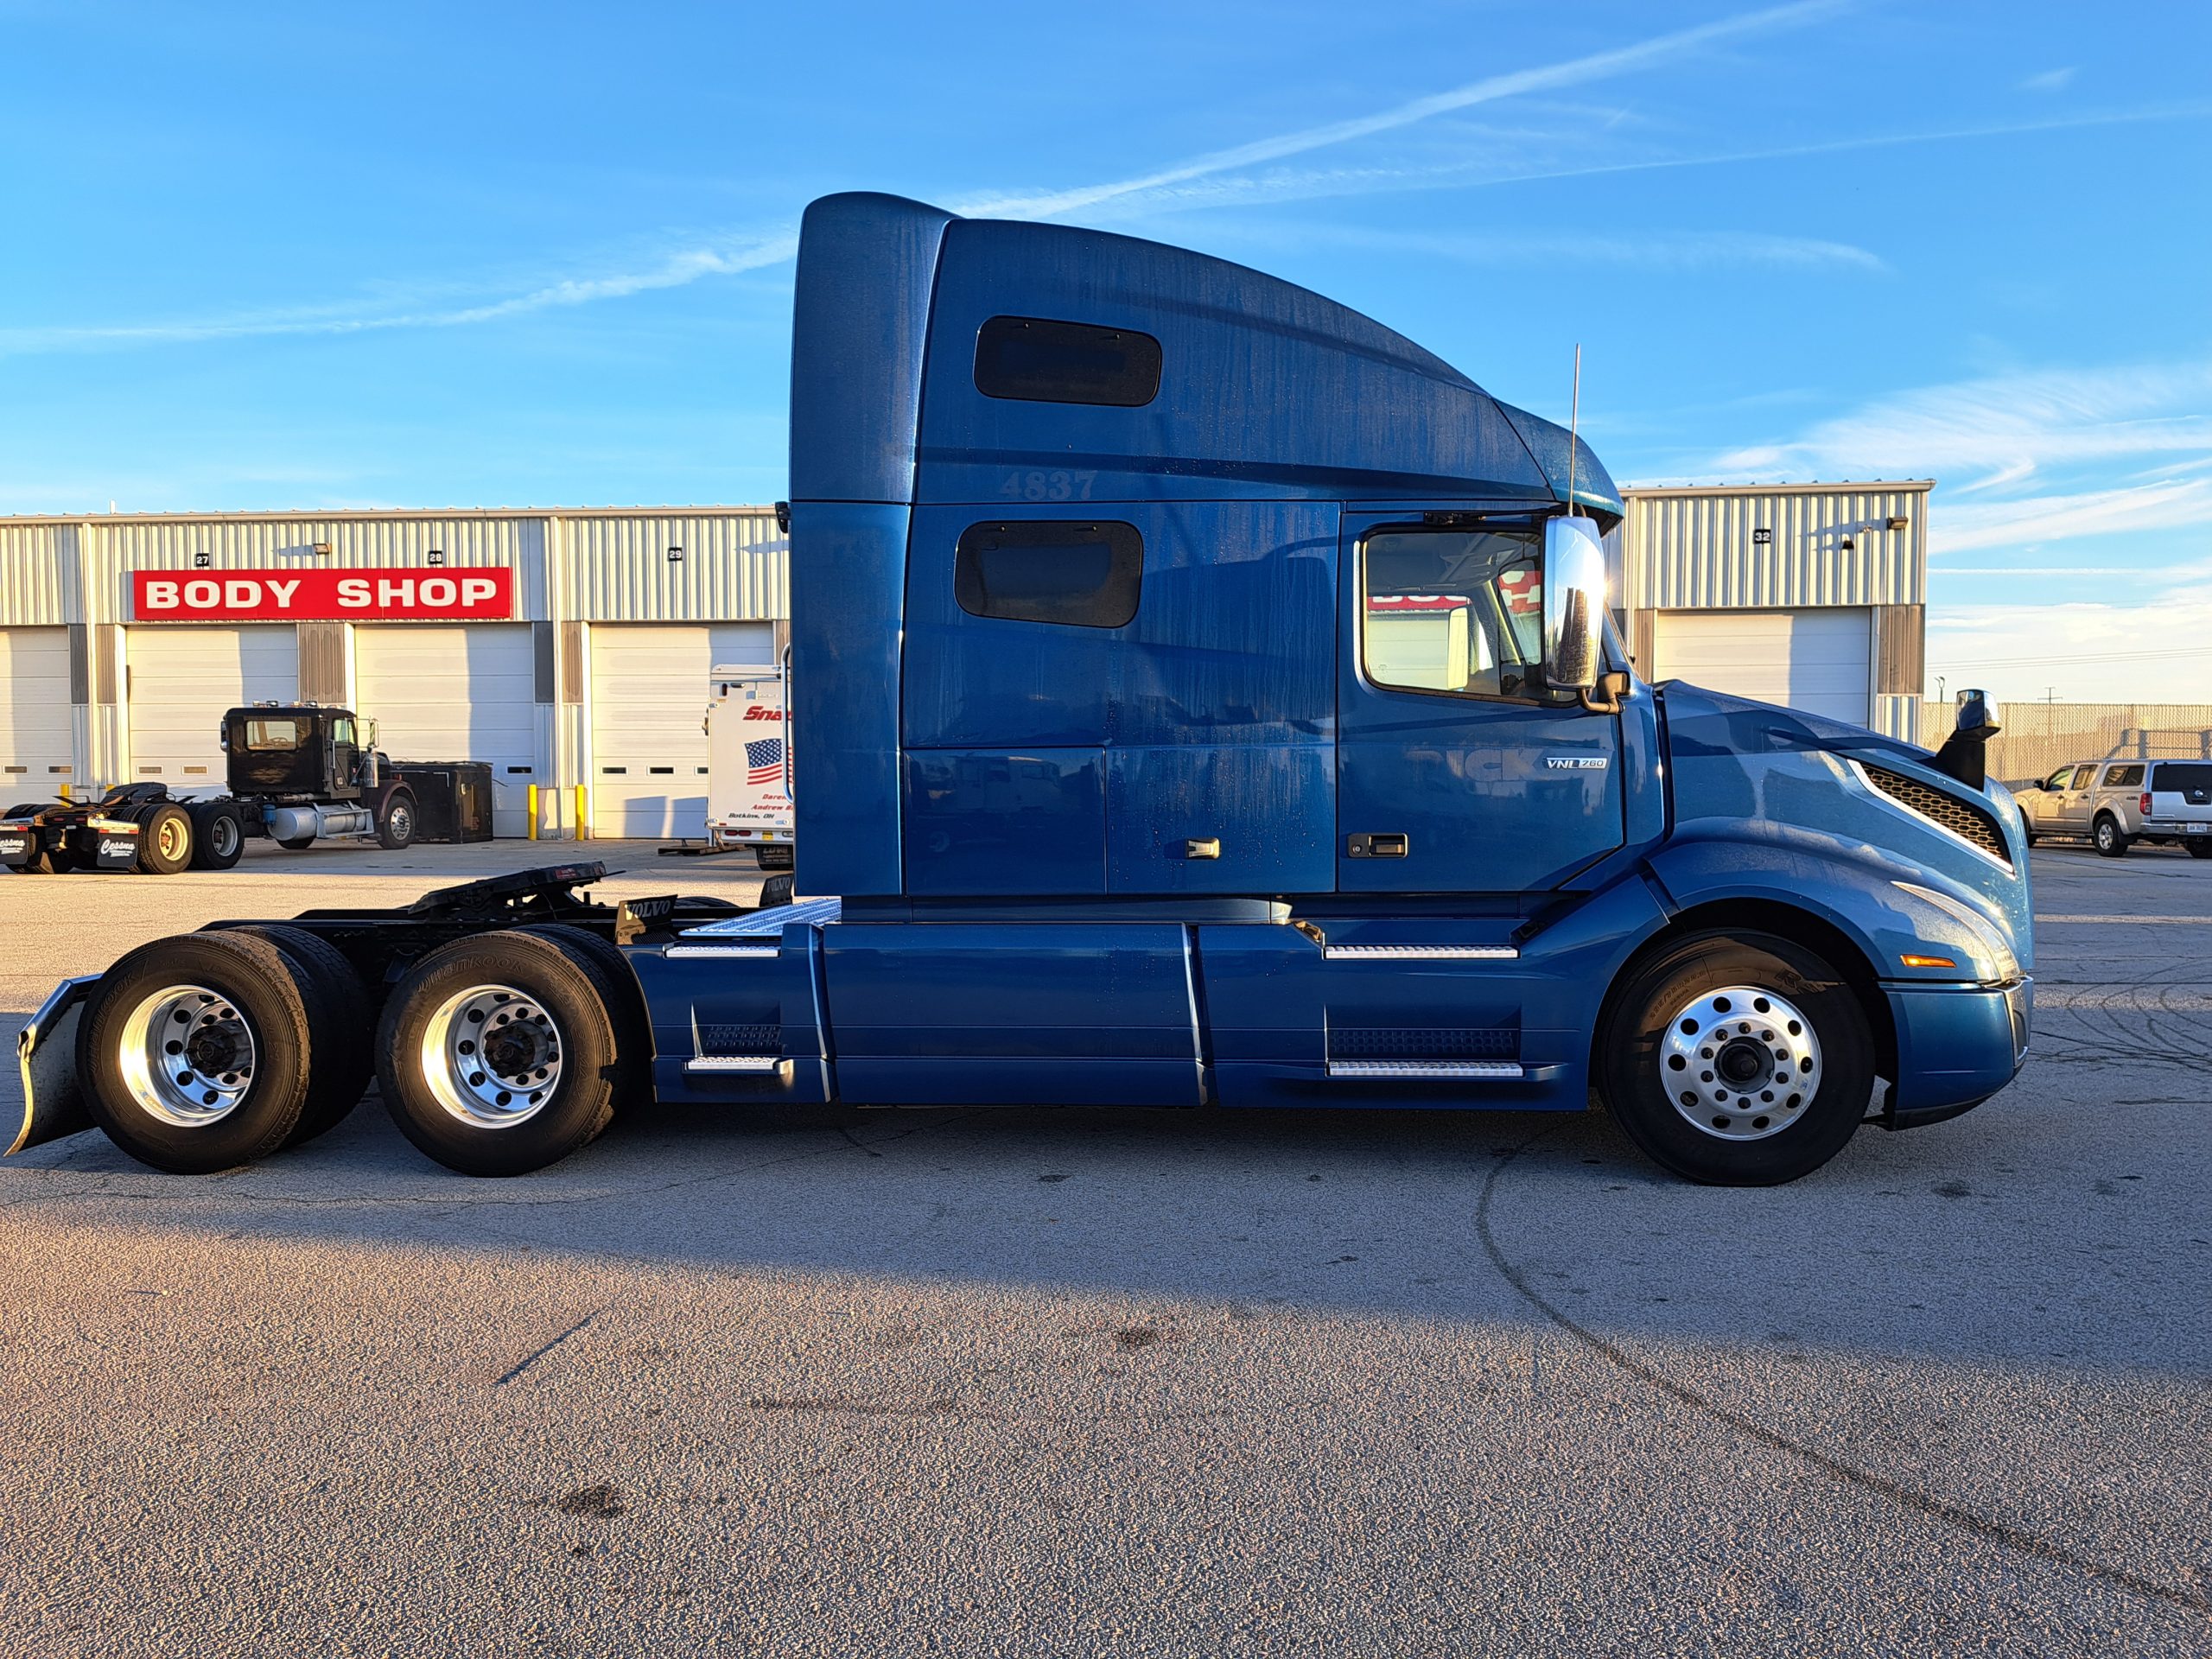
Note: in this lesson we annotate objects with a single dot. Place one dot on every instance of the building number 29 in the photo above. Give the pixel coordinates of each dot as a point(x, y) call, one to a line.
point(1042, 486)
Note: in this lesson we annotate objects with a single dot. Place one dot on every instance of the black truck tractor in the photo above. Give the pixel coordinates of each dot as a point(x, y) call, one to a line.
point(296, 770)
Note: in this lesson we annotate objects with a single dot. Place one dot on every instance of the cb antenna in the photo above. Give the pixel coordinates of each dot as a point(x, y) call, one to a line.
point(1574, 426)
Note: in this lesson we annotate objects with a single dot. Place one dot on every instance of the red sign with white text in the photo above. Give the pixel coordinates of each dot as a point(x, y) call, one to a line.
point(485, 592)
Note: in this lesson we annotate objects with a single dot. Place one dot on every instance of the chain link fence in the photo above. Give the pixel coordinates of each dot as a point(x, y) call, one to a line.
point(2038, 738)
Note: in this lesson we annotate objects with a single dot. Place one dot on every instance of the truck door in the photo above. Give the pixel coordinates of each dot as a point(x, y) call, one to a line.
point(1455, 773)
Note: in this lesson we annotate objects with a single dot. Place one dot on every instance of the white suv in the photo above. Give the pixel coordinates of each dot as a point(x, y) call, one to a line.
point(2115, 803)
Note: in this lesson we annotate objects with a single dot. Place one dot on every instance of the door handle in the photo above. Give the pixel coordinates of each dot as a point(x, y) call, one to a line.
point(1201, 846)
point(1381, 846)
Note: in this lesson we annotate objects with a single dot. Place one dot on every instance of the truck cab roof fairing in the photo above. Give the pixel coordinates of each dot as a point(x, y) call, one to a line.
point(1267, 389)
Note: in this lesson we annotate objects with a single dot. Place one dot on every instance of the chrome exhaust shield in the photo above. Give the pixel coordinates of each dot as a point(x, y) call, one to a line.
point(46, 1053)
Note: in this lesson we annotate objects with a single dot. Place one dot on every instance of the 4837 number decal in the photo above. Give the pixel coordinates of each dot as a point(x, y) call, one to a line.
point(1043, 485)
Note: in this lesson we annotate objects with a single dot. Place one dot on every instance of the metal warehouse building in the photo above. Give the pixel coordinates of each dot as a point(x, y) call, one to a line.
point(563, 647)
point(1811, 594)
point(572, 647)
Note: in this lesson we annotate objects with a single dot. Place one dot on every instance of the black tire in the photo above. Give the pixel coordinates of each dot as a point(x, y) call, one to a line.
point(166, 840)
point(2106, 836)
point(219, 837)
point(576, 1005)
point(248, 977)
point(2198, 846)
point(51, 861)
point(396, 823)
point(2030, 834)
point(1643, 1094)
point(626, 1001)
point(341, 1019)
point(296, 844)
point(777, 890)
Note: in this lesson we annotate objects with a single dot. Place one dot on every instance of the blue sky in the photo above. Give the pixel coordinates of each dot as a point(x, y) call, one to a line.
point(424, 255)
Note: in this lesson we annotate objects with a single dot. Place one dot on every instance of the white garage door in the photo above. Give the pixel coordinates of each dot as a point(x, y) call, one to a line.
point(649, 692)
point(182, 680)
point(459, 691)
point(35, 720)
point(1816, 660)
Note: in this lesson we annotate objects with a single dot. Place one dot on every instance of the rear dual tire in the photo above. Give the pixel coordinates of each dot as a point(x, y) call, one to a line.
point(504, 1053)
point(207, 1051)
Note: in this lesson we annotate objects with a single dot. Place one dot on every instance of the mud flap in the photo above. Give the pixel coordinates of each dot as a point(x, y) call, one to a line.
point(46, 1053)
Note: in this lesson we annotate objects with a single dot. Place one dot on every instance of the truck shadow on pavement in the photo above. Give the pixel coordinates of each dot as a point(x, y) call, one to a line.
point(2020, 1233)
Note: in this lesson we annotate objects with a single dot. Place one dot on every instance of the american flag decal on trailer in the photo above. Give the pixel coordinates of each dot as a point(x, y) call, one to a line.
point(764, 760)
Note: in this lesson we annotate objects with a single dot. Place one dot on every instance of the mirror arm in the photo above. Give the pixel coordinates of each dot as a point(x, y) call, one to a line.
point(1605, 698)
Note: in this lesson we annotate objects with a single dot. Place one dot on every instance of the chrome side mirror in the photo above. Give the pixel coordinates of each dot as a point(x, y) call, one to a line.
point(1575, 603)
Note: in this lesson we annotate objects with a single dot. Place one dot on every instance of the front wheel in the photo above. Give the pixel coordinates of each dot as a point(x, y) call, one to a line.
point(1738, 1059)
point(500, 1054)
point(2110, 842)
point(395, 823)
point(221, 841)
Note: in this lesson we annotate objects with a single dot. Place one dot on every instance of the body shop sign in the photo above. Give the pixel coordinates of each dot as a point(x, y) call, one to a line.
point(487, 593)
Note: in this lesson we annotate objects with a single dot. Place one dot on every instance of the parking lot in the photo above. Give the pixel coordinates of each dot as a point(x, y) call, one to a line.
point(1089, 1381)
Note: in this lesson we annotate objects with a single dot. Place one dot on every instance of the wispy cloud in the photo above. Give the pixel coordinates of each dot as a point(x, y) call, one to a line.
point(675, 270)
point(2006, 422)
point(772, 245)
point(2033, 520)
point(1597, 65)
point(2052, 80)
point(1644, 250)
point(1488, 167)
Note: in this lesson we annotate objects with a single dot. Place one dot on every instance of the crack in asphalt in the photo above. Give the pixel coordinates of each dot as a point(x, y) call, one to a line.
point(1882, 1486)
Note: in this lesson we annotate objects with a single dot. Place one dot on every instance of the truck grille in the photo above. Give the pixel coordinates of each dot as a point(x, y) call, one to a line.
point(1965, 820)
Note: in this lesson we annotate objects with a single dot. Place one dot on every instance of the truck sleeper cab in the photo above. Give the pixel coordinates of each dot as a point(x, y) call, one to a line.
point(1201, 696)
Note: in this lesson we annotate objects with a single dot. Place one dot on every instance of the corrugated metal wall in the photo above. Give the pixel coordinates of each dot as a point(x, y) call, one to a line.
point(571, 565)
point(1695, 550)
point(38, 574)
point(621, 570)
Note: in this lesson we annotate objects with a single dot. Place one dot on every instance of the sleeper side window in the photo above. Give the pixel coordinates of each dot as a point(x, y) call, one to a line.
point(1036, 360)
point(1065, 571)
point(1452, 611)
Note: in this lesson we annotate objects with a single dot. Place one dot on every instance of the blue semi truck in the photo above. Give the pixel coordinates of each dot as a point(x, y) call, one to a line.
point(1203, 696)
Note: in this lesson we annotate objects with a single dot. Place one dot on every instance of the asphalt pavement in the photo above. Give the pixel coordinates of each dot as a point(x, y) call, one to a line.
point(1076, 1383)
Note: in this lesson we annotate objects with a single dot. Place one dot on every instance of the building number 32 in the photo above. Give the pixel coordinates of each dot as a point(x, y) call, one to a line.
point(1047, 487)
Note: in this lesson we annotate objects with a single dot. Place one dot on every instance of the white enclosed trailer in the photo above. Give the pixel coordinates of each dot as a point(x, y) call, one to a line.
point(749, 764)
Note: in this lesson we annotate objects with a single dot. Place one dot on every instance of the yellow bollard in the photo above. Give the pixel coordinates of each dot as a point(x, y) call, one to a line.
point(533, 811)
point(583, 828)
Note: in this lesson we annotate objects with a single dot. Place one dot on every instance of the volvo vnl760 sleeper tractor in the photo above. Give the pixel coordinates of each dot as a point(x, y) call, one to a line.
point(1202, 696)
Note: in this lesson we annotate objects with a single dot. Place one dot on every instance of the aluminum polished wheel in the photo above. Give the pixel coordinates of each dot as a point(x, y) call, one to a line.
point(188, 1055)
point(1740, 1063)
point(491, 1055)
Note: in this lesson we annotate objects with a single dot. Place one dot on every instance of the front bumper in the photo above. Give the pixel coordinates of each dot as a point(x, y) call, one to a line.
point(1957, 1045)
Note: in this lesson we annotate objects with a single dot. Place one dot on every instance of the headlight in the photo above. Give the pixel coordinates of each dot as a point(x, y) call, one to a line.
point(1992, 951)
